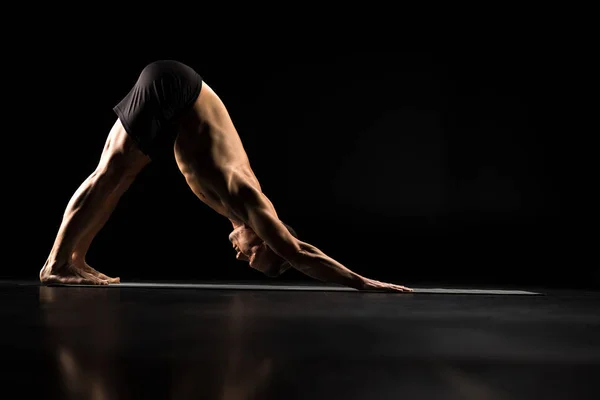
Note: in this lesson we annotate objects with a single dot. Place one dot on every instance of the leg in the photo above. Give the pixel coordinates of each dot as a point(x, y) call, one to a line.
point(89, 209)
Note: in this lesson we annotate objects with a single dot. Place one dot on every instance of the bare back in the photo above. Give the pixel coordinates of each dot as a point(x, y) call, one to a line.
point(210, 154)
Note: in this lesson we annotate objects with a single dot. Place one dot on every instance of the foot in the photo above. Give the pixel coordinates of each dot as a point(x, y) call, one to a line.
point(100, 275)
point(70, 274)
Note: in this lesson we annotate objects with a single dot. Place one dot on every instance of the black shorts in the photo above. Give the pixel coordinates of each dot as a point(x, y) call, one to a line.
point(149, 113)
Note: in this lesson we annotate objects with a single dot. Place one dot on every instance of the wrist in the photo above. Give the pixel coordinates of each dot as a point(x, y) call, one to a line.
point(359, 282)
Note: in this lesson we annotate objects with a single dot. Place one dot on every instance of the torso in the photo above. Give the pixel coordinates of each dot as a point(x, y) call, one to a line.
point(210, 154)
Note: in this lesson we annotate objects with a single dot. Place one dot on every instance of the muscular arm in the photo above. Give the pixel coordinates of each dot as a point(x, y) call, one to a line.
point(316, 264)
point(302, 256)
point(254, 209)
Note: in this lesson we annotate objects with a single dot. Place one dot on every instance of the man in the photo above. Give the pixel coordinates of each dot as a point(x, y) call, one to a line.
point(171, 97)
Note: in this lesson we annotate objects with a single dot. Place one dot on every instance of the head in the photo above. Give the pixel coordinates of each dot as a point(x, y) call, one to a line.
point(249, 247)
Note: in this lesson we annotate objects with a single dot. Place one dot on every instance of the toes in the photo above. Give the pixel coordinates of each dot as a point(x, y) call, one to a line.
point(95, 279)
point(109, 279)
point(104, 277)
point(86, 281)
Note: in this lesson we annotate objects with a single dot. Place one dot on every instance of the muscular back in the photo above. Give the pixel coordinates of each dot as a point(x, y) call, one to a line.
point(211, 156)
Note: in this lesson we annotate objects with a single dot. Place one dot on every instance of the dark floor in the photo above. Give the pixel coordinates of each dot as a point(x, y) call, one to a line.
point(199, 343)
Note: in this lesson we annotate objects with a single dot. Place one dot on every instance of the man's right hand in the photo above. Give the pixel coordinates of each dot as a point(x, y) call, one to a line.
point(373, 285)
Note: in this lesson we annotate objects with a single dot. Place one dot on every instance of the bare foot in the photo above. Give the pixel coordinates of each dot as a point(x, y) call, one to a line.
point(70, 274)
point(100, 275)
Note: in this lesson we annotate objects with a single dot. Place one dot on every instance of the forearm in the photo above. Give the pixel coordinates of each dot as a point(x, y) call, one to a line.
point(256, 211)
point(313, 262)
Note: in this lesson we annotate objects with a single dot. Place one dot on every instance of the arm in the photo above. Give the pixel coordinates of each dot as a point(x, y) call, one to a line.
point(254, 209)
point(313, 262)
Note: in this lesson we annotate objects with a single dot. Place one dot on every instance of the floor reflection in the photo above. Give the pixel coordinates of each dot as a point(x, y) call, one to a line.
point(121, 343)
point(82, 333)
point(106, 347)
point(245, 377)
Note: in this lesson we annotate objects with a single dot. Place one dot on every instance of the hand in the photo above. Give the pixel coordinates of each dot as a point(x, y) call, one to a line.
point(372, 285)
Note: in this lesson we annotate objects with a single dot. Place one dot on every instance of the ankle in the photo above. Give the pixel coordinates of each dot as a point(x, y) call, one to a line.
point(77, 257)
point(54, 264)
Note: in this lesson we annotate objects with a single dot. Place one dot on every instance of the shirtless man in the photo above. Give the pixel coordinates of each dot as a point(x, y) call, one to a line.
point(210, 155)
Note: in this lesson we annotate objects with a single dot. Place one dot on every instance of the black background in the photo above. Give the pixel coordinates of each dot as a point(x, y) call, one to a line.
point(408, 159)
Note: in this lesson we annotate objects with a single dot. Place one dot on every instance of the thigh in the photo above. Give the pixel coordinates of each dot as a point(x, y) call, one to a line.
point(121, 153)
